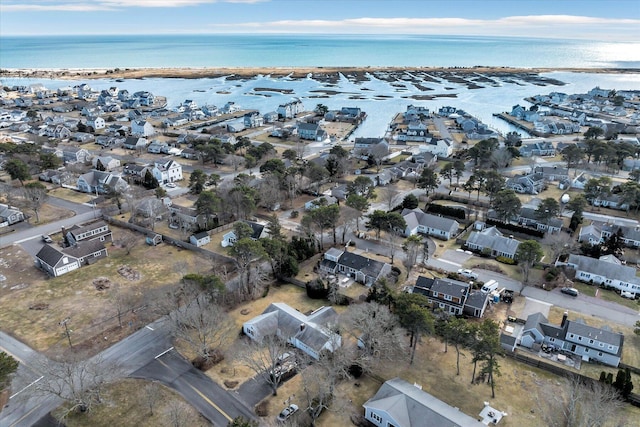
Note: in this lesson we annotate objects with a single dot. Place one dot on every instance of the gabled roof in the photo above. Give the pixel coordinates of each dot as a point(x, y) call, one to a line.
point(49, 255)
point(84, 248)
point(597, 334)
point(415, 217)
point(369, 267)
point(408, 406)
point(604, 267)
point(492, 238)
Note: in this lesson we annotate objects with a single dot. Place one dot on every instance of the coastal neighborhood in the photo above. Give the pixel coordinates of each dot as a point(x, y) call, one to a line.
point(280, 268)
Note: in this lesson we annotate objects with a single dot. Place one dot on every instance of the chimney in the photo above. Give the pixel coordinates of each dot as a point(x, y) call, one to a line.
point(302, 326)
point(564, 319)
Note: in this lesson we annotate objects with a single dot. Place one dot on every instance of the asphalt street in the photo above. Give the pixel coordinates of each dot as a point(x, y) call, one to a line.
point(211, 400)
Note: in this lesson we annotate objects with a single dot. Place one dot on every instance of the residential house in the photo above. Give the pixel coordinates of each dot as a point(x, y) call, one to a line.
point(253, 119)
point(10, 215)
point(146, 98)
point(142, 128)
point(431, 225)
point(364, 147)
point(598, 232)
point(135, 143)
point(312, 334)
point(166, 171)
point(83, 137)
point(363, 269)
point(96, 230)
point(521, 113)
point(452, 296)
point(135, 171)
point(529, 218)
point(442, 148)
point(552, 173)
point(384, 177)
point(526, 184)
point(491, 241)
point(291, 109)
point(320, 201)
point(72, 154)
point(190, 153)
point(612, 201)
point(157, 147)
point(310, 131)
point(399, 403)
point(87, 252)
point(607, 271)
point(416, 131)
point(236, 127)
point(200, 239)
point(541, 149)
point(52, 176)
point(100, 182)
point(96, 123)
point(108, 163)
point(580, 181)
point(259, 231)
point(590, 343)
point(270, 117)
point(56, 262)
point(56, 131)
point(186, 217)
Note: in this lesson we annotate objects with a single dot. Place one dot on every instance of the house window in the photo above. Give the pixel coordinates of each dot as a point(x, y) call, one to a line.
point(579, 338)
point(376, 417)
point(552, 339)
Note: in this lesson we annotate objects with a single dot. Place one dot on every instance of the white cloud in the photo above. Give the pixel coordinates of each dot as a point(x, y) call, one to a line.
point(95, 5)
point(529, 26)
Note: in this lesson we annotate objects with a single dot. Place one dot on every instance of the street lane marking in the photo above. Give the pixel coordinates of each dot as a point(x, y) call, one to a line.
point(149, 328)
point(163, 353)
point(217, 408)
point(17, 423)
point(25, 387)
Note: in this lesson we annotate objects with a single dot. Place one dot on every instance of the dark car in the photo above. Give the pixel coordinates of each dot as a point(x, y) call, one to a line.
point(570, 291)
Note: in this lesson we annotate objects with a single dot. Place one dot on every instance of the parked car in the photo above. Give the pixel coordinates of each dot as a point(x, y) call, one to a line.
point(627, 294)
point(570, 291)
point(171, 185)
point(287, 412)
point(469, 274)
point(46, 238)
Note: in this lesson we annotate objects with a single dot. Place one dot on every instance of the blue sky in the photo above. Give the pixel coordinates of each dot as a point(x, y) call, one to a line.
point(610, 20)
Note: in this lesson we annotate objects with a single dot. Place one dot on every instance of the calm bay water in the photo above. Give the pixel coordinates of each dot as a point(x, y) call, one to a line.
point(310, 50)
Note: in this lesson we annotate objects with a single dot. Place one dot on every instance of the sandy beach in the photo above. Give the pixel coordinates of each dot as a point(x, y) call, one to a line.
point(318, 73)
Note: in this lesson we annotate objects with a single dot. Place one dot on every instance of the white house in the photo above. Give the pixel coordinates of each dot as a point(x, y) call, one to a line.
point(142, 128)
point(607, 271)
point(438, 147)
point(313, 334)
point(165, 171)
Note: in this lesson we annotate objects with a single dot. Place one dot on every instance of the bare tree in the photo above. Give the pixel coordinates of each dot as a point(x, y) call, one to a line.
point(265, 358)
point(377, 330)
point(389, 196)
point(122, 300)
point(178, 413)
point(128, 240)
point(152, 394)
point(576, 404)
point(347, 221)
point(78, 382)
point(392, 241)
point(35, 194)
point(559, 243)
point(198, 321)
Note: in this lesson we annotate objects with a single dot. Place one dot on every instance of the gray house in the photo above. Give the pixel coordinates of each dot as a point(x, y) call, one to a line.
point(364, 270)
point(607, 271)
point(432, 225)
point(526, 184)
point(576, 337)
point(311, 334)
point(492, 241)
point(452, 296)
point(401, 404)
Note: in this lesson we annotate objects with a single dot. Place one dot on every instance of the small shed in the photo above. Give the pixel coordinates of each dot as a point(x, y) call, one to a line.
point(154, 239)
point(200, 239)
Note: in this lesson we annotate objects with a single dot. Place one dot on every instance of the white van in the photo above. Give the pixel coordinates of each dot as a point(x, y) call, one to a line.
point(490, 286)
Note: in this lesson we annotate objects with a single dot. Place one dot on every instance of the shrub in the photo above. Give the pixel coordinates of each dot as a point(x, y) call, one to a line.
point(447, 211)
point(505, 260)
point(294, 214)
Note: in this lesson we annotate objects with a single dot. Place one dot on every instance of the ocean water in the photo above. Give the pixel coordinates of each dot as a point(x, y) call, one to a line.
point(309, 51)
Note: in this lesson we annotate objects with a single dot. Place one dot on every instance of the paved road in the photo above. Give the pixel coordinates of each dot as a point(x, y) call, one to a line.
point(596, 307)
point(211, 400)
point(142, 354)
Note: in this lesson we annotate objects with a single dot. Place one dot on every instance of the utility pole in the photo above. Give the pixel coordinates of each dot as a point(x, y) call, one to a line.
point(66, 329)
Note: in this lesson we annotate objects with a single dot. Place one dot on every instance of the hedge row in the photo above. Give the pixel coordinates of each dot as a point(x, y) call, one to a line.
point(516, 228)
point(447, 211)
